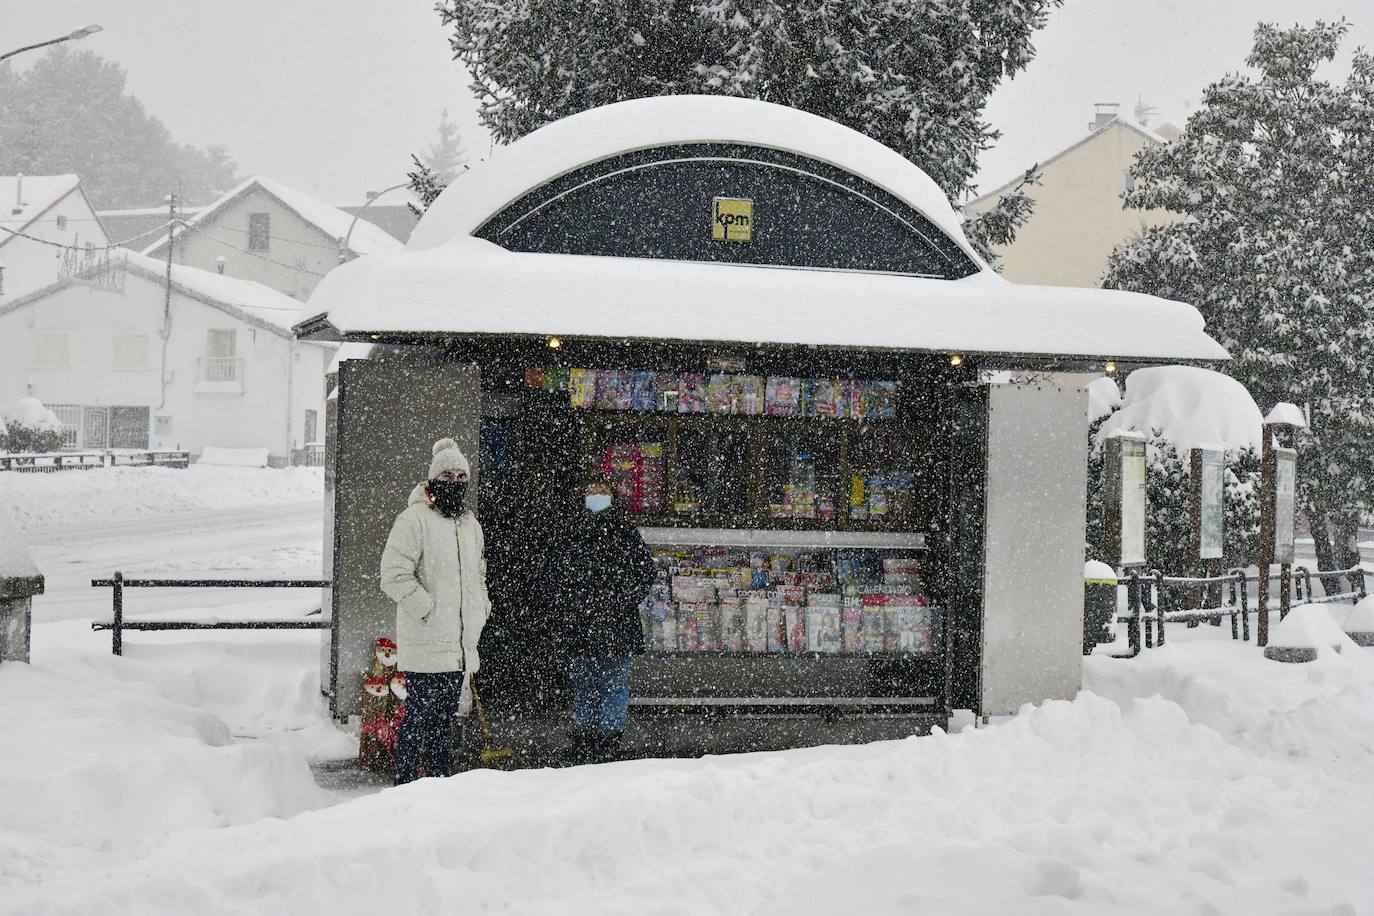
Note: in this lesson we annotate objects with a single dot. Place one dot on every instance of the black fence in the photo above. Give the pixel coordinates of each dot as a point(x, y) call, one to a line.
point(1149, 594)
point(48, 462)
point(118, 624)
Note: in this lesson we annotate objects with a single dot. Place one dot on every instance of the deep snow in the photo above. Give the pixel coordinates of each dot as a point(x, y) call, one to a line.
point(1197, 778)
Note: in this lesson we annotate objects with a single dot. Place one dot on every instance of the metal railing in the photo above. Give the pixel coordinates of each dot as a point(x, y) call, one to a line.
point(48, 462)
point(1146, 596)
point(118, 624)
point(219, 369)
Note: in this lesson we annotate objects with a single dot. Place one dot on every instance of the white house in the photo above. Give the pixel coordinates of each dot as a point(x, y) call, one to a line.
point(210, 362)
point(43, 219)
point(265, 231)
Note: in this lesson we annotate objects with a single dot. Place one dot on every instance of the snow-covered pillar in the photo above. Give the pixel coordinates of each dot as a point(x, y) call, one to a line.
point(20, 580)
point(1037, 480)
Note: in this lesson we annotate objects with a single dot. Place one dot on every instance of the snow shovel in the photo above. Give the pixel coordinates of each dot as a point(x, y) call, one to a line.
point(489, 751)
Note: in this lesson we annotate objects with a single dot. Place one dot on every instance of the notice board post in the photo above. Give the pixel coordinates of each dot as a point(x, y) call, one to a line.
point(1278, 491)
point(1124, 514)
point(1207, 517)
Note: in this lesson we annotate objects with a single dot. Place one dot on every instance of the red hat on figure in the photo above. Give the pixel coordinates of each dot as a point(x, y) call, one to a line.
point(376, 686)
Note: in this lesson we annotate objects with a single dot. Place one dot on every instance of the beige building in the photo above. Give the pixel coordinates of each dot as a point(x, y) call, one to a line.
point(275, 235)
point(1078, 217)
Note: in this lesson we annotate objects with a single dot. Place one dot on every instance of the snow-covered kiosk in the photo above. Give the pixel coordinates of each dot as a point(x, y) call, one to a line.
point(859, 453)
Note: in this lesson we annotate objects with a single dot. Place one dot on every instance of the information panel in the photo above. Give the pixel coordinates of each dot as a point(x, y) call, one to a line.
point(1285, 491)
point(1133, 477)
point(1212, 505)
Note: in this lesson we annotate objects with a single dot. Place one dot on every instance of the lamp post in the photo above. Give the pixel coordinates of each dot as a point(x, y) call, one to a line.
point(74, 36)
point(343, 243)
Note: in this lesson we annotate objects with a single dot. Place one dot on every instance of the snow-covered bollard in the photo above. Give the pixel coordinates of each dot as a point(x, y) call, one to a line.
point(20, 580)
point(1359, 625)
point(1304, 634)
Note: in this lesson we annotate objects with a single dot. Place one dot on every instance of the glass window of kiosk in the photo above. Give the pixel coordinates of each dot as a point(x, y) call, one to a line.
point(801, 471)
point(634, 456)
point(883, 486)
point(710, 473)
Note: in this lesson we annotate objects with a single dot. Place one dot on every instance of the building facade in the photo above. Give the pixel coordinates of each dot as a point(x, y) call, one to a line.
point(1078, 217)
point(274, 235)
point(212, 364)
point(46, 225)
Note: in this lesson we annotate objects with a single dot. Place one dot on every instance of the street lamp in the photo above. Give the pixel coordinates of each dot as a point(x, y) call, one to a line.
point(73, 36)
point(343, 243)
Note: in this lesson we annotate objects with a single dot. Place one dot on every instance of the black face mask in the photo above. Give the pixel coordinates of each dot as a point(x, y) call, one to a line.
point(448, 496)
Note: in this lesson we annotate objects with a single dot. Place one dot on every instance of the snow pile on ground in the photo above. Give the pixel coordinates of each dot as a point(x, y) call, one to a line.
point(99, 762)
point(1188, 406)
point(109, 494)
point(1196, 778)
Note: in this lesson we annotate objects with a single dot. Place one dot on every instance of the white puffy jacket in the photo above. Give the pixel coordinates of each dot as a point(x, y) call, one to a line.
point(434, 569)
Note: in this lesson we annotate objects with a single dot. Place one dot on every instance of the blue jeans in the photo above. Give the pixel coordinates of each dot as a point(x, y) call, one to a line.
point(422, 747)
point(601, 692)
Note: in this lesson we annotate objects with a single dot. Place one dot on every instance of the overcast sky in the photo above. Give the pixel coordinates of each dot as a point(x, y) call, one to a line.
point(331, 96)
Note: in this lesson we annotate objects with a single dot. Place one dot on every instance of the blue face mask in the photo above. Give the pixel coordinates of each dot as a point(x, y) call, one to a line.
point(597, 502)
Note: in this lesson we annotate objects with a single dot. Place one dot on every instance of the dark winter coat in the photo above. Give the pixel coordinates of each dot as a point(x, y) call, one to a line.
point(598, 576)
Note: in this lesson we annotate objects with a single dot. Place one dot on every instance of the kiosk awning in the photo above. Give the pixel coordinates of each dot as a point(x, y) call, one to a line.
point(471, 286)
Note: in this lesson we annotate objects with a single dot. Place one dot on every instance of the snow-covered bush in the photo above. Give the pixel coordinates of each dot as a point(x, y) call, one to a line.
point(28, 426)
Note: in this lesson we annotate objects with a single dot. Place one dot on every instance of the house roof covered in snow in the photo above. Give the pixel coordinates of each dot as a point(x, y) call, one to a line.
point(250, 302)
point(449, 282)
point(332, 222)
point(25, 198)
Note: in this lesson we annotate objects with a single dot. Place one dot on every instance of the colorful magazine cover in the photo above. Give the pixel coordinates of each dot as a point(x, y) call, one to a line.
point(643, 396)
point(750, 399)
point(581, 387)
point(691, 396)
point(781, 396)
point(720, 393)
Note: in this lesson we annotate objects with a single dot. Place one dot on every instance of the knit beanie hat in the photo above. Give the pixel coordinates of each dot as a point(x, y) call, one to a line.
point(447, 457)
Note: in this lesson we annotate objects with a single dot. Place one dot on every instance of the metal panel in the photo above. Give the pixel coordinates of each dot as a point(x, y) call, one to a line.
point(1036, 514)
point(389, 415)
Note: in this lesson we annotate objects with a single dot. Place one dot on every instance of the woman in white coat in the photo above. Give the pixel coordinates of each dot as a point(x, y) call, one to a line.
point(434, 569)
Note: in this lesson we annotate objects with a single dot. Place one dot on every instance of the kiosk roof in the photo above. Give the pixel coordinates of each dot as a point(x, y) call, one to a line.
point(600, 133)
point(471, 286)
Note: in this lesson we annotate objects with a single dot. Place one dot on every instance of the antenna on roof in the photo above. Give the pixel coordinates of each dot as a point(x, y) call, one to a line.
point(1144, 112)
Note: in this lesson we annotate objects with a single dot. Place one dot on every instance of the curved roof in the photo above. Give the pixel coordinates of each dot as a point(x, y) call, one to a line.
point(591, 136)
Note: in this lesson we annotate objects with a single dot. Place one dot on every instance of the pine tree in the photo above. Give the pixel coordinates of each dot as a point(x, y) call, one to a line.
point(446, 156)
point(914, 75)
point(1274, 179)
point(69, 112)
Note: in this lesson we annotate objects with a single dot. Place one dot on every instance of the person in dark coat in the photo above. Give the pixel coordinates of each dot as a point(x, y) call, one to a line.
point(600, 575)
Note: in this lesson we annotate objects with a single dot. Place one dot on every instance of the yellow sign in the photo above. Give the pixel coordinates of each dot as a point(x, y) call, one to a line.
point(732, 218)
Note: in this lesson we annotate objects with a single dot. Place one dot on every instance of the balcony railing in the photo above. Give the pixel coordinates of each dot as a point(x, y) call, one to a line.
point(215, 373)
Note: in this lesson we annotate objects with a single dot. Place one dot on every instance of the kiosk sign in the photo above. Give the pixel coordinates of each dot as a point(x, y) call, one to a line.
point(1285, 487)
point(1213, 489)
point(732, 219)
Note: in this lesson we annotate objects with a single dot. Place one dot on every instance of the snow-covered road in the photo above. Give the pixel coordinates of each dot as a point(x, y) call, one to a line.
point(253, 542)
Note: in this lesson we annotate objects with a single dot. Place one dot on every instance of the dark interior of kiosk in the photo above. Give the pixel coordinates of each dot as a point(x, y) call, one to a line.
point(680, 469)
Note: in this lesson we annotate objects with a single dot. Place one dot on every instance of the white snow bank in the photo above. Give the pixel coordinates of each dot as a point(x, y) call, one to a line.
point(15, 561)
point(93, 758)
point(29, 411)
point(1103, 397)
point(233, 457)
point(1188, 406)
point(471, 286)
point(1310, 626)
point(1210, 781)
point(1361, 617)
point(110, 494)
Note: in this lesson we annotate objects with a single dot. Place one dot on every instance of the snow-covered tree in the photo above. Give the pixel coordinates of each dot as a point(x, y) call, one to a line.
point(1274, 179)
point(913, 74)
point(446, 156)
point(69, 112)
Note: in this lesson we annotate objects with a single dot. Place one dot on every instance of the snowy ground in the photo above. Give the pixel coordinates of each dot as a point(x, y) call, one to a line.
point(1198, 778)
